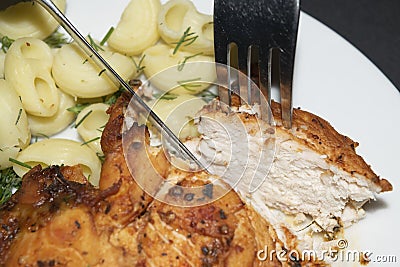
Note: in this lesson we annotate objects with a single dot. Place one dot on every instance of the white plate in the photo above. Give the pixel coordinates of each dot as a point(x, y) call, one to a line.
point(335, 81)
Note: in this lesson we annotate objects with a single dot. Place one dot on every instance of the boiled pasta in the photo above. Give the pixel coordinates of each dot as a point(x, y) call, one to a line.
point(92, 120)
point(76, 74)
point(2, 59)
point(137, 29)
point(28, 68)
point(168, 71)
point(178, 113)
point(47, 126)
point(28, 20)
point(14, 131)
point(180, 18)
point(60, 152)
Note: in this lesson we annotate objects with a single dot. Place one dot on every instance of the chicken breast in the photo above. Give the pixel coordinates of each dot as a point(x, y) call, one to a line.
point(305, 180)
point(58, 219)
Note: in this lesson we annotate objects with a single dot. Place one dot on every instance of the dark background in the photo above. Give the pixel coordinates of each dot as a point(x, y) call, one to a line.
point(372, 26)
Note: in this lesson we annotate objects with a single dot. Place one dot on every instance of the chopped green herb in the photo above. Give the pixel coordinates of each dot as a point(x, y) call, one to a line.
point(107, 36)
point(101, 72)
point(186, 58)
point(83, 118)
point(139, 67)
point(22, 164)
point(9, 181)
point(186, 39)
point(86, 60)
point(56, 40)
point(6, 43)
point(189, 80)
point(208, 95)
point(94, 44)
point(90, 141)
point(43, 135)
point(78, 108)
point(100, 129)
point(101, 157)
point(19, 116)
point(166, 96)
point(190, 84)
point(111, 99)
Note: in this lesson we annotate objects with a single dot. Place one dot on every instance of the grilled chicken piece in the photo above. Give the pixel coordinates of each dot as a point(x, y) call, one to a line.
point(311, 179)
point(52, 221)
point(58, 219)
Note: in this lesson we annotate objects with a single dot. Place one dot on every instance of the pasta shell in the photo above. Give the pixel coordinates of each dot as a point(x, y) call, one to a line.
point(58, 152)
point(28, 20)
point(77, 74)
point(28, 69)
point(47, 126)
point(92, 120)
point(14, 131)
point(171, 72)
point(178, 16)
point(137, 29)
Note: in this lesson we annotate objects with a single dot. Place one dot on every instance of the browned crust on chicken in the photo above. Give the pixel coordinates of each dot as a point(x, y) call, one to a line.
point(50, 221)
point(320, 136)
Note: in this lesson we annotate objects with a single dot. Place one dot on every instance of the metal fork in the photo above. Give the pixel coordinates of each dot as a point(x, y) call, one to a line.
point(257, 37)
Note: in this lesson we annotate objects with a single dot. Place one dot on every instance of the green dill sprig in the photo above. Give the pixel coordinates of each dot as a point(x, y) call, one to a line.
point(186, 39)
point(208, 95)
point(101, 128)
point(78, 108)
point(165, 96)
point(19, 116)
point(42, 135)
point(56, 40)
point(101, 72)
point(6, 43)
point(83, 118)
point(20, 163)
point(101, 157)
point(90, 141)
point(94, 44)
point(107, 36)
point(139, 67)
point(186, 58)
point(9, 181)
point(189, 85)
point(111, 99)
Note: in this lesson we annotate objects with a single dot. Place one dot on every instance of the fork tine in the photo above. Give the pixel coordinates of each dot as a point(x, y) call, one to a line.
point(259, 28)
point(265, 82)
point(233, 75)
point(286, 62)
point(253, 70)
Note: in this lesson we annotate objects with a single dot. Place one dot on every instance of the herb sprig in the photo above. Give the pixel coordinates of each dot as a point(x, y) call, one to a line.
point(94, 44)
point(6, 43)
point(57, 40)
point(189, 85)
point(186, 39)
point(107, 36)
point(138, 65)
point(9, 181)
point(182, 63)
